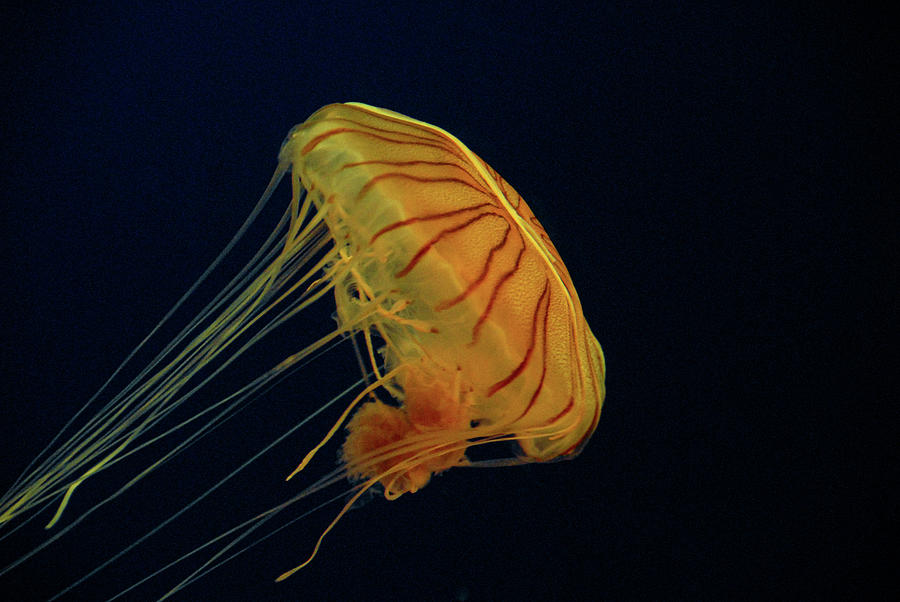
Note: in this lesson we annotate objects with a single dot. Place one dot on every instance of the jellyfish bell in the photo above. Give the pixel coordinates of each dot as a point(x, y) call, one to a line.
point(472, 331)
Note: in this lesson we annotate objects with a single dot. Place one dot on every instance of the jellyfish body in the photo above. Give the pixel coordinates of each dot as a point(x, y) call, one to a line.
point(474, 331)
point(482, 327)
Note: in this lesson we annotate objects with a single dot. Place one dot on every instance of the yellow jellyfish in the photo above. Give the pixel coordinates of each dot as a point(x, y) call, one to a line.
point(473, 330)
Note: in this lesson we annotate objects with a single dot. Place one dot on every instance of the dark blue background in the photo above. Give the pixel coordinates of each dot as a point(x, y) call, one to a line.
point(693, 166)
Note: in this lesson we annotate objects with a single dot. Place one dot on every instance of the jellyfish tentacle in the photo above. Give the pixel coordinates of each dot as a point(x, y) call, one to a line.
point(337, 425)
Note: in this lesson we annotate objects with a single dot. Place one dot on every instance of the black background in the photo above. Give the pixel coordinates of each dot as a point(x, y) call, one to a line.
point(697, 170)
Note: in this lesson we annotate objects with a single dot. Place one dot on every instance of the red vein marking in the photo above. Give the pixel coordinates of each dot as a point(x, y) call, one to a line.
point(574, 342)
point(373, 181)
point(389, 119)
point(521, 367)
point(324, 136)
point(403, 163)
point(565, 411)
point(456, 165)
point(477, 281)
point(587, 433)
point(427, 246)
point(426, 218)
point(434, 139)
point(490, 304)
point(428, 134)
point(540, 386)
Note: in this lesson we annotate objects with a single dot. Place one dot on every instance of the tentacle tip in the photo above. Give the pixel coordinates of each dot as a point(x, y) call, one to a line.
point(287, 574)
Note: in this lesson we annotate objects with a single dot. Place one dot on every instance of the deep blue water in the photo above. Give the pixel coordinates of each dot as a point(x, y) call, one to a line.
point(691, 166)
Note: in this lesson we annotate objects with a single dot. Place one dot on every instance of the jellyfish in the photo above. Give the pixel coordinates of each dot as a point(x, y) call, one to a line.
point(471, 329)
